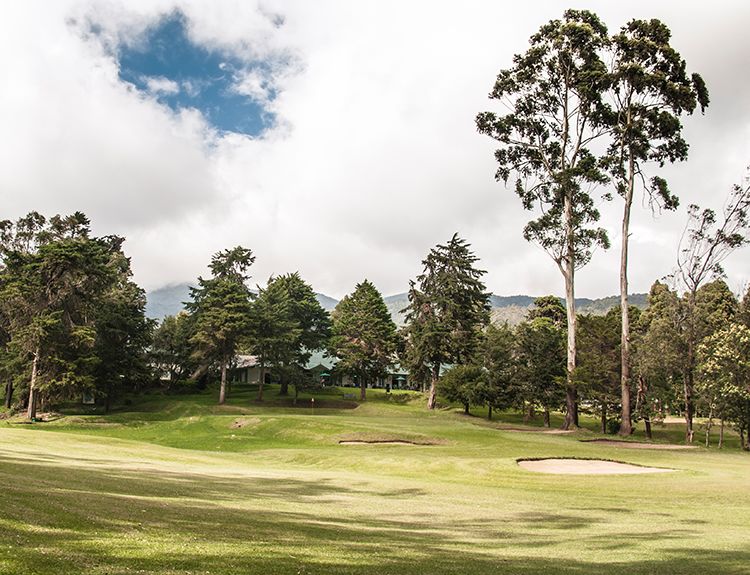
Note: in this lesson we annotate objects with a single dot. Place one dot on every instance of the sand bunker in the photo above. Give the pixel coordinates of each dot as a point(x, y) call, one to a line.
point(586, 467)
point(639, 445)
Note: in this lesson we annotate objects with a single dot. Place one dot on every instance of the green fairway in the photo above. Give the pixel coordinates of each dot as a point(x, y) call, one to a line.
point(179, 485)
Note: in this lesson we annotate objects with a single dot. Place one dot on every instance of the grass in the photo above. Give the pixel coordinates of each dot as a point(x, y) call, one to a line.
point(180, 485)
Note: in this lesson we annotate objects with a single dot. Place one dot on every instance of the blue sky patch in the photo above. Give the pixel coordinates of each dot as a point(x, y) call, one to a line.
point(181, 74)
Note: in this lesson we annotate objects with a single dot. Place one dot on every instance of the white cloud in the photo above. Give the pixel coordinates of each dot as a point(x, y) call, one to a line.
point(160, 85)
point(374, 158)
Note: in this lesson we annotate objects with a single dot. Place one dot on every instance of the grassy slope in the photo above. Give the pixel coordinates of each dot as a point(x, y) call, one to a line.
point(177, 487)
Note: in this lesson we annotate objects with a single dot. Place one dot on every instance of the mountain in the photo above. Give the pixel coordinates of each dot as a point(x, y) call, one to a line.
point(168, 300)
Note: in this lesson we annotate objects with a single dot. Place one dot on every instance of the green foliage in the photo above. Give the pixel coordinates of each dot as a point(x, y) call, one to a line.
point(364, 335)
point(541, 362)
point(552, 308)
point(221, 305)
point(554, 94)
point(448, 306)
point(465, 384)
point(598, 368)
point(498, 357)
point(73, 320)
point(724, 373)
point(172, 350)
point(650, 89)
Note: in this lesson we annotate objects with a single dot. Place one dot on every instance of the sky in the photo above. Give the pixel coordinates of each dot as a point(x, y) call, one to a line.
point(333, 138)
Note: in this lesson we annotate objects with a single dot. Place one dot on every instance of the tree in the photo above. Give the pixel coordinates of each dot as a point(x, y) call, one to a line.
point(724, 361)
point(598, 369)
point(705, 244)
point(465, 384)
point(364, 335)
point(274, 333)
point(123, 334)
point(554, 94)
point(448, 306)
point(650, 90)
point(311, 320)
point(658, 353)
point(71, 315)
point(541, 364)
point(497, 356)
point(221, 305)
point(171, 349)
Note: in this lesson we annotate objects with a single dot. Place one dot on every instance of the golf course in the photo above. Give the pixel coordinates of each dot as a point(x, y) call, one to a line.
point(178, 485)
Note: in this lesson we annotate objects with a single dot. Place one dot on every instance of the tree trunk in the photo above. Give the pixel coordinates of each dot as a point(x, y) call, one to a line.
point(223, 388)
point(647, 422)
point(489, 411)
point(434, 375)
point(604, 418)
point(529, 413)
point(568, 269)
point(107, 398)
point(721, 434)
point(284, 389)
point(688, 391)
point(9, 394)
point(466, 409)
point(571, 411)
point(689, 371)
point(626, 428)
point(262, 380)
point(33, 392)
point(546, 417)
point(362, 388)
point(709, 425)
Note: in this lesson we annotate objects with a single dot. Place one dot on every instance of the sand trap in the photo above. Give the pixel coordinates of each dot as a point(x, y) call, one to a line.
point(586, 467)
point(639, 444)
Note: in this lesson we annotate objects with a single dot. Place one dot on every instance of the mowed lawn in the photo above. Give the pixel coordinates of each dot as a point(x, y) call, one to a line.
point(179, 485)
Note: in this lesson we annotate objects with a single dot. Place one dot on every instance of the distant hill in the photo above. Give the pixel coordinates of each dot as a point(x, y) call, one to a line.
point(169, 299)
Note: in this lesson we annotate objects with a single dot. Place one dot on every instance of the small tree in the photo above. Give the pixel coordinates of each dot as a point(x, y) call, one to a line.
point(448, 306)
point(465, 384)
point(364, 335)
point(274, 333)
point(221, 305)
point(705, 244)
point(598, 369)
point(541, 364)
point(312, 323)
point(724, 361)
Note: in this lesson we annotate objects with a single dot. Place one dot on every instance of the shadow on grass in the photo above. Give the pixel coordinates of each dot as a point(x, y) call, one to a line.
point(88, 517)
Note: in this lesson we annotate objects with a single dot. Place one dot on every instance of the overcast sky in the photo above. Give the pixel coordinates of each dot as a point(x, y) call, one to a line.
point(334, 138)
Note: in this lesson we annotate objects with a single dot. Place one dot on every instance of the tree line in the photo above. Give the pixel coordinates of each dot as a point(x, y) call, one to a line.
point(587, 112)
point(72, 322)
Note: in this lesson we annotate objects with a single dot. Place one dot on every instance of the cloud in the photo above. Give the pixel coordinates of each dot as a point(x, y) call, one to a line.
point(372, 158)
point(161, 85)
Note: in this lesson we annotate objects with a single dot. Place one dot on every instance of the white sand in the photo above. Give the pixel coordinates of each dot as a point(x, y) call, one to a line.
point(586, 467)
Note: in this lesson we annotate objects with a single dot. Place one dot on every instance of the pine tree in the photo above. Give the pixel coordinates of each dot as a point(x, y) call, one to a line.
point(448, 306)
point(364, 335)
point(221, 305)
